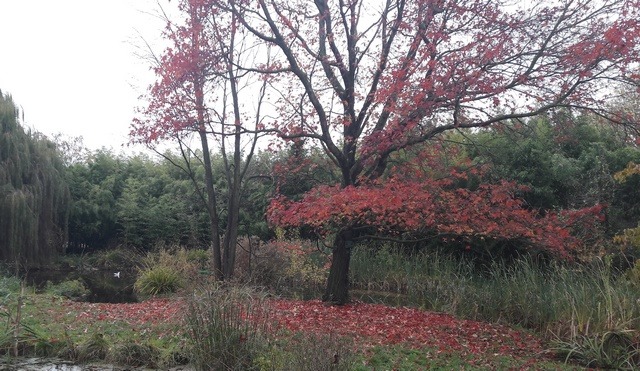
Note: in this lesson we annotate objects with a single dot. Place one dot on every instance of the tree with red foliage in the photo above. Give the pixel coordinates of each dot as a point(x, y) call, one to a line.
point(366, 79)
point(421, 198)
point(197, 94)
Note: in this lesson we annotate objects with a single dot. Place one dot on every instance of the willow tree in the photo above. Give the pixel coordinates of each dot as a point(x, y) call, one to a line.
point(34, 196)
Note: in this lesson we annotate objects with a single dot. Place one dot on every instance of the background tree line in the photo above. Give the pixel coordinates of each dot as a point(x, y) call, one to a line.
point(59, 197)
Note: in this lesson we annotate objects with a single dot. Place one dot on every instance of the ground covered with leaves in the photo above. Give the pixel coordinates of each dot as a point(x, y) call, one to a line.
point(377, 330)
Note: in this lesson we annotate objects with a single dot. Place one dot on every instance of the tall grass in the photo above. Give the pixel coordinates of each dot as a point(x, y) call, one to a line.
point(227, 329)
point(554, 299)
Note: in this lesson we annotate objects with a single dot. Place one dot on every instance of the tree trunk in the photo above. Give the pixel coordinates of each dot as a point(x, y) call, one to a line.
point(337, 291)
point(231, 237)
point(234, 173)
point(212, 208)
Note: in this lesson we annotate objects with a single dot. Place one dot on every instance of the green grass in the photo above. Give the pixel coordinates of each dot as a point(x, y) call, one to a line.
point(576, 304)
point(562, 299)
point(573, 306)
point(401, 358)
point(158, 280)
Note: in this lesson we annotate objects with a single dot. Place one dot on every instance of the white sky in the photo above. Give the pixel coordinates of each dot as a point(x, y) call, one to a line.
point(72, 65)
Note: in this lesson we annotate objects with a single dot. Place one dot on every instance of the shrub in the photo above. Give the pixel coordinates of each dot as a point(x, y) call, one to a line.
point(71, 289)
point(290, 267)
point(199, 257)
point(158, 280)
point(9, 285)
point(94, 348)
point(226, 329)
point(318, 352)
point(609, 350)
point(117, 259)
point(180, 260)
point(134, 354)
point(633, 274)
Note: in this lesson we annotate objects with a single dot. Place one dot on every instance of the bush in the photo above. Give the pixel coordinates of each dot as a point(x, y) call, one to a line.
point(9, 285)
point(118, 259)
point(71, 289)
point(199, 257)
point(610, 350)
point(135, 354)
point(226, 329)
point(184, 262)
point(316, 352)
point(289, 267)
point(158, 280)
point(95, 348)
point(633, 274)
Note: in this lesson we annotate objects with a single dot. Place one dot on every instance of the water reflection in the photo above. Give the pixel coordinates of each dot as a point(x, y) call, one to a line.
point(103, 285)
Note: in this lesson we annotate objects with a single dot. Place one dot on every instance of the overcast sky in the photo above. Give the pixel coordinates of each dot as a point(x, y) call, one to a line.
point(73, 65)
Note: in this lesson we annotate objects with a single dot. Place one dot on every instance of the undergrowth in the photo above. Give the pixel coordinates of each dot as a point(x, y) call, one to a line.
point(579, 306)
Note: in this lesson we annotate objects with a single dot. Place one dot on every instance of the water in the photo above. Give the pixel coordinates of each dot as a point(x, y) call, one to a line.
point(40, 364)
point(48, 364)
point(103, 285)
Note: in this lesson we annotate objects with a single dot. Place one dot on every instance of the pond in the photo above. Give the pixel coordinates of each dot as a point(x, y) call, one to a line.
point(44, 364)
point(29, 364)
point(104, 286)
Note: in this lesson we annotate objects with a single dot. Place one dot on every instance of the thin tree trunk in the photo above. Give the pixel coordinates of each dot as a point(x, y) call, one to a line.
point(234, 175)
point(231, 233)
point(212, 208)
point(337, 290)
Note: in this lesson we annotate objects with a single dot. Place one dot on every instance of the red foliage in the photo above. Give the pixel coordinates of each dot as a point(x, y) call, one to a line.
point(150, 312)
point(375, 324)
point(369, 324)
point(176, 98)
point(413, 201)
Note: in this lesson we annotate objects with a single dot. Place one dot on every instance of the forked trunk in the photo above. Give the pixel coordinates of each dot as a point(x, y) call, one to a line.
point(337, 291)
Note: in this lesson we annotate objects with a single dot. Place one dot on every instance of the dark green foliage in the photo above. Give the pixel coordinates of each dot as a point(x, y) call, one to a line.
point(95, 187)
point(34, 195)
point(141, 202)
point(133, 201)
point(158, 204)
point(566, 161)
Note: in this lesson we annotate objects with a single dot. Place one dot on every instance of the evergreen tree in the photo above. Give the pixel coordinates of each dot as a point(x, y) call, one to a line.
point(34, 196)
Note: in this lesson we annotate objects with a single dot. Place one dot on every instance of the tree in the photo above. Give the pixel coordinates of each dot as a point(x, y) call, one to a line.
point(34, 197)
point(95, 184)
point(157, 206)
point(367, 79)
point(565, 161)
point(198, 94)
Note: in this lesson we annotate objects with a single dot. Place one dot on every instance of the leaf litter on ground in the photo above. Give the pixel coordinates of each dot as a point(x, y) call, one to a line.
point(369, 324)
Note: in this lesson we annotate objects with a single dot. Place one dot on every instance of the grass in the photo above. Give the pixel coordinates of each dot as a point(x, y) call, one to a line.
point(575, 308)
point(578, 306)
point(555, 298)
point(227, 329)
point(158, 280)
point(609, 350)
point(402, 358)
